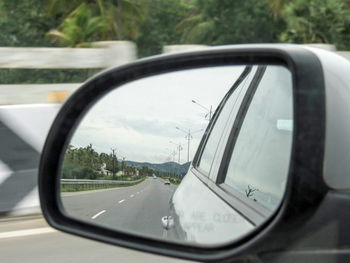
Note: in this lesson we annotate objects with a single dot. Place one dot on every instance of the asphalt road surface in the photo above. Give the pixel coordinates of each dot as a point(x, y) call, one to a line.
point(137, 208)
point(30, 239)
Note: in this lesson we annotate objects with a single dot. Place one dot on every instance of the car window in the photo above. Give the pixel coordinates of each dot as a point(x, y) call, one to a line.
point(230, 107)
point(259, 163)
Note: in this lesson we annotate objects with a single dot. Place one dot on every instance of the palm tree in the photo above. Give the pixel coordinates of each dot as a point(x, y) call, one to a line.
point(277, 6)
point(79, 28)
point(195, 28)
point(90, 20)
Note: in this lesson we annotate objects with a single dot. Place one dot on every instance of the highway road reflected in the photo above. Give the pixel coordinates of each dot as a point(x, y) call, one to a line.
point(138, 208)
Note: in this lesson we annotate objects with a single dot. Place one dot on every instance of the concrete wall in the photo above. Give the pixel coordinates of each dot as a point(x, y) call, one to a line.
point(23, 130)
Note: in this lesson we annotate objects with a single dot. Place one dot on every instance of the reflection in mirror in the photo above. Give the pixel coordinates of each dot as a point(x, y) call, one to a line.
point(128, 165)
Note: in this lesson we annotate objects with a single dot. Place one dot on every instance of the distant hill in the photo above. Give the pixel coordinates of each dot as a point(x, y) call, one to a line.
point(168, 167)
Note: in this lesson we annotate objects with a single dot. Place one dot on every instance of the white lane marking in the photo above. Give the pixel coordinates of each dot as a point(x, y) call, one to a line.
point(27, 232)
point(131, 196)
point(98, 214)
point(121, 201)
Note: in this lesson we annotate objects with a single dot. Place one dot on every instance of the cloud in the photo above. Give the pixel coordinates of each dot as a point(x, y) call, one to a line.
point(140, 118)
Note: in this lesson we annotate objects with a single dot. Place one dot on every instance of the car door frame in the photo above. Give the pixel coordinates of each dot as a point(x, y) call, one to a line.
point(250, 210)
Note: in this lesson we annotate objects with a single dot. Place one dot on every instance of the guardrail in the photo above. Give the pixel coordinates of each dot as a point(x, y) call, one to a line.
point(101, 55)
point(85, 184)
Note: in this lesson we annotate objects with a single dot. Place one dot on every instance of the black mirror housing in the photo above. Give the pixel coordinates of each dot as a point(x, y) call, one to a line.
point(305, 185)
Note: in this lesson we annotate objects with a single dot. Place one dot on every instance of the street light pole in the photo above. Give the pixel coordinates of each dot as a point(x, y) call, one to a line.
point(210, 110)
point(189, 137)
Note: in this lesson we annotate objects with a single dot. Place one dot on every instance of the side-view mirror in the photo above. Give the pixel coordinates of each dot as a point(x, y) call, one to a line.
point(211, 155)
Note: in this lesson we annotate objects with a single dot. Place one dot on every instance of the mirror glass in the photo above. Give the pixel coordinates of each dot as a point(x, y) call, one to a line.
point(137, 162)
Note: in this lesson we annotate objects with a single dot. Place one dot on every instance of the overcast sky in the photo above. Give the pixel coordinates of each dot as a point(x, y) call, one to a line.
point(139, 119)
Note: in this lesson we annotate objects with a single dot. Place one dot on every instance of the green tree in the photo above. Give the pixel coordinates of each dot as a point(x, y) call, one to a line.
point(79, 28)
point(277, 6)
point(24, 23)
point(89, 20)
point(226, 22)
point(158, 28)
point(317, 21)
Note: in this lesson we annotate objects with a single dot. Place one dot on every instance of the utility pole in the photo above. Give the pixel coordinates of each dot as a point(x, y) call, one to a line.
point(189, 138)
point(173, 164)
point(179, 148)
point(123, 166)
point(113, 159)
point(173, 154)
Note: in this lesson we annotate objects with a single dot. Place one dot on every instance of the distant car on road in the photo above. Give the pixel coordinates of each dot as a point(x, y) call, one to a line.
point(166, 182)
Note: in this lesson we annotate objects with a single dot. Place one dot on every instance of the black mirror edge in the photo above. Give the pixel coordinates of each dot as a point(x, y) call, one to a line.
point(308, 140)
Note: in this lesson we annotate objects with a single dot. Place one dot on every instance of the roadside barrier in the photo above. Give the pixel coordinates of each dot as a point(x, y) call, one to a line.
point(71, 185)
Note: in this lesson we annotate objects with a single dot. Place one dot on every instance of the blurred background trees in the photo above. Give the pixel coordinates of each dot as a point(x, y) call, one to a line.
point(225, 22)
point(151, 24)
point(317, 21)
point(86, 163)
point(154, 23)
point(159, 27)
point(84, 21)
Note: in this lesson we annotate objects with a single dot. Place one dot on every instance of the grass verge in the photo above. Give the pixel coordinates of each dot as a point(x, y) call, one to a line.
point(88, 187)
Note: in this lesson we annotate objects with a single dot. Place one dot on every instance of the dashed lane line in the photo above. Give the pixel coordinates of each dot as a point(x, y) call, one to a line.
point(27, 232)
point(98, 214)
point(121, 201)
